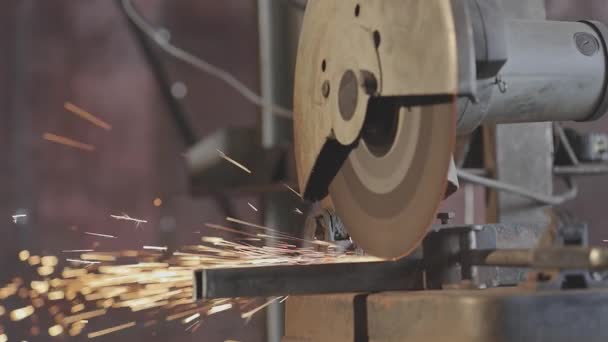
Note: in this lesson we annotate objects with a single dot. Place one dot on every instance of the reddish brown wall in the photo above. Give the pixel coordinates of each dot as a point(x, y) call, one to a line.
point(81, 51)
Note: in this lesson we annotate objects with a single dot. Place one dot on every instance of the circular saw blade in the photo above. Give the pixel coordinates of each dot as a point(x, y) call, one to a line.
point(387, 197)
point(387, 192)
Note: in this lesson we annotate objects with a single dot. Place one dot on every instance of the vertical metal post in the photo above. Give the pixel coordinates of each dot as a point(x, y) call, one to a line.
point(22, 187)
point(523, 157)
point(524, 152)
point(276, 59)
point(275, 74)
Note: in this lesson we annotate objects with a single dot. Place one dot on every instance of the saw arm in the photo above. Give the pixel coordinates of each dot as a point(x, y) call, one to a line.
point(351, 52)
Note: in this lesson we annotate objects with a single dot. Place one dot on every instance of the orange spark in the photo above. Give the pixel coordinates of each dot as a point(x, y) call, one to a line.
point(68, 142)
point(111, 330)
point(245, 223)
point(19, 314)
point(78, 261)
point(84, 315)
point(194, 326)
point(219, 308)
point(276, 234)
point(191, 318)
point(247, 315)
point(292, 190)
point(227, 229)
point(125, 217)
point(156, 248)
point(87, 116)
point(101, 235)
point(233, 162)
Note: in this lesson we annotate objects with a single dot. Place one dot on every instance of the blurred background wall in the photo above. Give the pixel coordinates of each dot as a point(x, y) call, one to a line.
point(82, 51)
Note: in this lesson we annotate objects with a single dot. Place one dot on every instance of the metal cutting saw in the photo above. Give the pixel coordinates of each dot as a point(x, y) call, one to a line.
point(383, 91)
point(383, 88)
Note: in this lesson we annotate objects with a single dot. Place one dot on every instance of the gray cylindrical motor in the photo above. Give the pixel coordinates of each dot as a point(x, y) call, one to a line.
point(554, 71)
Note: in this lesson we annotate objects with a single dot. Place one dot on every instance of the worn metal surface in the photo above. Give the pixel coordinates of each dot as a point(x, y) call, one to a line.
point(517, 236)
point(523, 152)
point(541, 258)
point(504, 314)
point(308, 279)
point(524, 9)
point(444, 248)
point(524, 158)
point(451, 255)
point(328, 318)
point(545, 78)
point(473, 254)
point(489, 29)
point(581, 170)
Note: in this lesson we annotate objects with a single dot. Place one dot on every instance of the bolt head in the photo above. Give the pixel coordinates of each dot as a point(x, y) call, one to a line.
point(325, 89)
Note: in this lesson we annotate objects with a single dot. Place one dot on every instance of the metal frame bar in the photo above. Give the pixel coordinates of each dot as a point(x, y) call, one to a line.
point(283, 280)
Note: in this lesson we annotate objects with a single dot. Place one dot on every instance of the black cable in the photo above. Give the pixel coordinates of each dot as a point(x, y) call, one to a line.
point(176, 110)
point(178, 113)
point(201, 64)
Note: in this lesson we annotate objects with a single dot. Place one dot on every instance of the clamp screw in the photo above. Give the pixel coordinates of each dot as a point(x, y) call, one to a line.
point(502, 85)
point(446, 217)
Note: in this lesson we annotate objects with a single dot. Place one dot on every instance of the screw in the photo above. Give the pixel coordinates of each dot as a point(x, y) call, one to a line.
point(325, 89)
point(586, 43)
point(502, 85)
point(369, 82)
point(445, 217)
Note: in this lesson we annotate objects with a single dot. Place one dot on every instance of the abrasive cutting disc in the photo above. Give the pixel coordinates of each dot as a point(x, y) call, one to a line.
point(387, 197)
point(388, 190)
